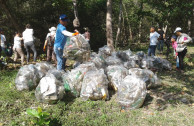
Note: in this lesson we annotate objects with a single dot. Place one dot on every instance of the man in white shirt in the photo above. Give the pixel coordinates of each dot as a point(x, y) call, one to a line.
point(154, 36)
point(2, 42)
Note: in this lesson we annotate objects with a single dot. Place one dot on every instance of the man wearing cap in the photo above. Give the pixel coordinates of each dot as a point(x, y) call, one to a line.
point(2, 42)
point(49, 44)
point(60, 40)
point(182, 40)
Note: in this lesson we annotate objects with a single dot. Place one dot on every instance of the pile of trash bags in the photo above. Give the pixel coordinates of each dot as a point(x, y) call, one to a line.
point(128, 74)
point(77, 48)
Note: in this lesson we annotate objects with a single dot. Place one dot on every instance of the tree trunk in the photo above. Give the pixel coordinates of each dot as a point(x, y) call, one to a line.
point(119, 24)
point(11, 17)
point(192, 24)
point(140, 22)
point(130, 30)
point(109, 35)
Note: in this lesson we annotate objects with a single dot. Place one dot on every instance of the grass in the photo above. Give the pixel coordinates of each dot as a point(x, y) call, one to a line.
point(163, 106)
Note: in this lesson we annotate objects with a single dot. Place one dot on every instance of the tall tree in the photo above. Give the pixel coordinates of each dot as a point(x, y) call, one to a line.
point(11, 17)
point(119, 23)
point(109, 32)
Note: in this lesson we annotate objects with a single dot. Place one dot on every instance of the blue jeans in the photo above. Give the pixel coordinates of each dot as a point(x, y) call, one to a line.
point(160, 45)
point(60, 60)
point(151, 50)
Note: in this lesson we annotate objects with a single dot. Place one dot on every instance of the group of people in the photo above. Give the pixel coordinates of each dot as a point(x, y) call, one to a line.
point(179, 41)
point(56, 40)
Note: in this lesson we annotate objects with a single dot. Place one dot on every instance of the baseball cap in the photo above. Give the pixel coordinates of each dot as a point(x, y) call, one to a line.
point(174, 37)
point(178, 29)
point(64, 17)
point(52, 29)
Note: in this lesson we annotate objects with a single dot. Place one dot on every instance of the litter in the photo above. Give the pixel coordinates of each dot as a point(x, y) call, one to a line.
point(116, 74)
point(49, 90)
point(27, 78)
point(147, 76)
point(131, 93)
point(73, 79)
point(43, 68)
point(105, 51)
point(95, 86)
point(98, 61)
point(77, 48)
point(113, 60)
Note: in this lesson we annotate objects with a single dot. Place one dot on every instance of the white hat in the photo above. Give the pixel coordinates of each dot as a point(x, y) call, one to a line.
point(178, 29)
point(52, 29)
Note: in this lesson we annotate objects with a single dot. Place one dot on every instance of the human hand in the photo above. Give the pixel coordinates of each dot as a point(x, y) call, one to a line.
point(175, 57)
point(76, 33)
point(44, 49)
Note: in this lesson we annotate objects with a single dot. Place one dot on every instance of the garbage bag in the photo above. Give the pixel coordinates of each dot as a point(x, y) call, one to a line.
point(113, 60)
point(131, 93)
point(49, 90)
point(95, 86)
point(73, 79)
point(147, 76)
point(116, 74)
point(133, 62)
point(166, 64)
point(98, 60)
point(77, 48)
point(105, 52)
point(57, 73)
point(140, 54)
point(43, 68)
point(147, 62)
point(27, 78)
point(123, 56)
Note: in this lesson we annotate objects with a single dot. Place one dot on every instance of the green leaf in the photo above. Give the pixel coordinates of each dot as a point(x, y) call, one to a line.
point(33, 112)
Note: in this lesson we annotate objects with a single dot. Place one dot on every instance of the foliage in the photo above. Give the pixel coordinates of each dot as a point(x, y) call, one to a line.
point(40, 118)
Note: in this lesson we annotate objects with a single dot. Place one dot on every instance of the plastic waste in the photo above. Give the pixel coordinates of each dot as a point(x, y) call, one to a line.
point(98, 60)
point(77, 48)
point(27, 78)
point(146, 75)
point(133, 62)
point(43, 68)
point(116, 74)
point(49, 90)
point(131, 93)
point(105, 51)
point(72, 80)
point(113, 60)
point(95, 86)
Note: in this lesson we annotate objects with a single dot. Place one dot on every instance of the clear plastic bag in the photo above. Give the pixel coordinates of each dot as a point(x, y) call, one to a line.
point(73, 79)
point(113, 60)
point(105, 51)
point(43, 68)
point(77, 48)
point(95, 86)
point(147, 62)
point(147, 76)
point(49, 90)
point(131, 93)
point(98, 61)
point(27, 78)
point(116, 74)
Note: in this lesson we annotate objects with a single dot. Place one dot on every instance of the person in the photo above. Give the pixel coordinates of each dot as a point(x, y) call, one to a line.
point(154, 36)
point(174, 46)
point(182, 40)
point(60, 41)
point(161, 40)
point(29, 42)
point(17, 48)
point(49, 44)
point(87, 34)
point(2, 43)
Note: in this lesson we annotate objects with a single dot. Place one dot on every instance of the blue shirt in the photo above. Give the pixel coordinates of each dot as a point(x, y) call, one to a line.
point(60, 38)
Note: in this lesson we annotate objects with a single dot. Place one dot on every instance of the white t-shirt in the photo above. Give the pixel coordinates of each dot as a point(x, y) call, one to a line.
point(3, 39)
point(17, 42)
point(28, 35)
point(154, 38)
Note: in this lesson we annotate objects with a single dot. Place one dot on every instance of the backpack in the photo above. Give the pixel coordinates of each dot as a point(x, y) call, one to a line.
point(50, 41)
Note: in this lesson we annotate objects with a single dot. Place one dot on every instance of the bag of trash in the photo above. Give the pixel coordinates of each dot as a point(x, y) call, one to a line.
point(147, 62)
point(58, 74)
point(131, 93)
point(147, 76)
point(123, 56)
point(166, 64)
point(116, 74)
point(133, 62)
point(77, 48)
point(49, 90)
point(140, 54)
point(105, 51)
point(98, 61)
point(27, 78)
point(73, 79)
point(43, 68)
point(113, 60)
point(95, 86)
